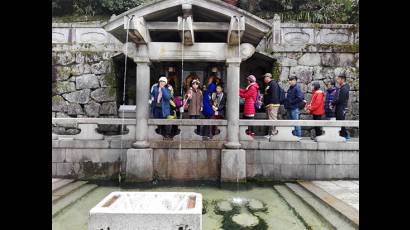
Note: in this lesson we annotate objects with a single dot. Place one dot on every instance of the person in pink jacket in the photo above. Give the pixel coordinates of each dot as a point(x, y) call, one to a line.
point(250, 94)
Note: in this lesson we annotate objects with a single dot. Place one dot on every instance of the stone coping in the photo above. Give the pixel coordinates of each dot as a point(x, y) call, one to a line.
point(96, 24)
point(191, 122)
point(316, 25)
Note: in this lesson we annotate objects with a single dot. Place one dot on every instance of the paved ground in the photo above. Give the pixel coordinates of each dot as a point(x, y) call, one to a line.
point(347, 191)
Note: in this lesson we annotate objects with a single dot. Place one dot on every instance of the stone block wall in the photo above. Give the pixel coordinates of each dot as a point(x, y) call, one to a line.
point(84, 84)
point(267, 161)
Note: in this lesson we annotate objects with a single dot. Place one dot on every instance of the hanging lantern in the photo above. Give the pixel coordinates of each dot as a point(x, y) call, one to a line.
point(214, 69)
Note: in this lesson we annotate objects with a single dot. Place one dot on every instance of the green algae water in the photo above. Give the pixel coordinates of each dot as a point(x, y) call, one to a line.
point(253, 206)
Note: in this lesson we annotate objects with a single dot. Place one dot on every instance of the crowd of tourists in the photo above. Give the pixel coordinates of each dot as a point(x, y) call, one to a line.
point(209, 103)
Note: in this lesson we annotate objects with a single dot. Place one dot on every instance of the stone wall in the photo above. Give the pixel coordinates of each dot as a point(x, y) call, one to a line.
point(84, 83)
point(268, 161)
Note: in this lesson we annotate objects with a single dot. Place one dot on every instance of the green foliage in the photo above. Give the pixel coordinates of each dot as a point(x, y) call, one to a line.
point(92, 7)
point(314, 11)
point(120, 6)
point(276, 71)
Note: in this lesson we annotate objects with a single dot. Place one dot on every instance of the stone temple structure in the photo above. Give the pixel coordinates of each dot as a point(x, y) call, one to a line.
point(209, 36)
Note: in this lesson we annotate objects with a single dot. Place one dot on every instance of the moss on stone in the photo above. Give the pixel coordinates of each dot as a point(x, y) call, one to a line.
point(57, 99)
point(345, 48)
point(276, 71)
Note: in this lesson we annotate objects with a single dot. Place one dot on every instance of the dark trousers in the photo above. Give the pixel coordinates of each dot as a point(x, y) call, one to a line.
point(318, 130)
point(340, 115)
point(250, 129)
point(164, 130)
point(206, 129)
point(198, 128)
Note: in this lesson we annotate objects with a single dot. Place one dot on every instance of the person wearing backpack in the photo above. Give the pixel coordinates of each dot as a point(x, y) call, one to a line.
point(271, 101)
point(294, 100)
point(330, 97)
point(340, 102)
point(250, 94)
point(316, 105)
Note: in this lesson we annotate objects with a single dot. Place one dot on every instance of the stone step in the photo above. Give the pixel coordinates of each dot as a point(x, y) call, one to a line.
point(71, 198)
point(344, 209)
point(309, 217)
point(332, 216)
point(59, 184)
point(64, 191)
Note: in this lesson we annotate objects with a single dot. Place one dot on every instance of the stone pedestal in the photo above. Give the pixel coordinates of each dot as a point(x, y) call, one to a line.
point(331, 134)
point(139, 166)
point(233, 165)
point(284, 134)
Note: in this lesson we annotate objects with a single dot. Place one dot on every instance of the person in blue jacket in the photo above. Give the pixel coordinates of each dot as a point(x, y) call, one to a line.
point(330, 97)
point(292, 102)
point(207, 110)
point(160, 107)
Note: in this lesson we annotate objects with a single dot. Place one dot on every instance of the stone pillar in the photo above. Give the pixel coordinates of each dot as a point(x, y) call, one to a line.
point(276, 30)
point(142, 97)
point(232, 108)
point(139, 165)
point(233, 159)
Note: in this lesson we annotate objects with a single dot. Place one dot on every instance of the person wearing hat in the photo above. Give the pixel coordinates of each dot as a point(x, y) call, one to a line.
point(160, 106)
point(193, 101)
point(250, 94)
point(293, 100)
point(271, 101)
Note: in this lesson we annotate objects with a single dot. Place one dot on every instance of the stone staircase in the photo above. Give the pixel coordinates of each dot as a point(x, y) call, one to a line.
point(317, 208)
point(66, 192)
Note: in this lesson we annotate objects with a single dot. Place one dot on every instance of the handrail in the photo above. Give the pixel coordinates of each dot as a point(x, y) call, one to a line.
point(327, 123)
point(100, 121)
point(192, 122)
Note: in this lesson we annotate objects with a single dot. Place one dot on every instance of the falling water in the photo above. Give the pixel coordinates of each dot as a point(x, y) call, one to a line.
point(123, 92)
point(182, 78)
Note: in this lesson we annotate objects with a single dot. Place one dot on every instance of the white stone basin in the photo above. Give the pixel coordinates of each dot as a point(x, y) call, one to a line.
point(147, 210)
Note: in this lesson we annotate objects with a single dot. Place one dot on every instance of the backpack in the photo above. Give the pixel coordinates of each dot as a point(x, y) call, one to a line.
point(281, 95)
point(259, 101)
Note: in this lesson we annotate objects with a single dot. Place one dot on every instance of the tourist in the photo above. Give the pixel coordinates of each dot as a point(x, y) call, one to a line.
point(218, 105)
point(340, 102)
point(316, 105)
point(193, 102)
point(330, 97)
point(160, 105)
point(250, 94)
point(294, 99)
point(271, 101)
point(207, 110)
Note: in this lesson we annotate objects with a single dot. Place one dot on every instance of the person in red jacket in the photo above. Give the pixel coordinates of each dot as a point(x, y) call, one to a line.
point(250, 94)
point(316, 106)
